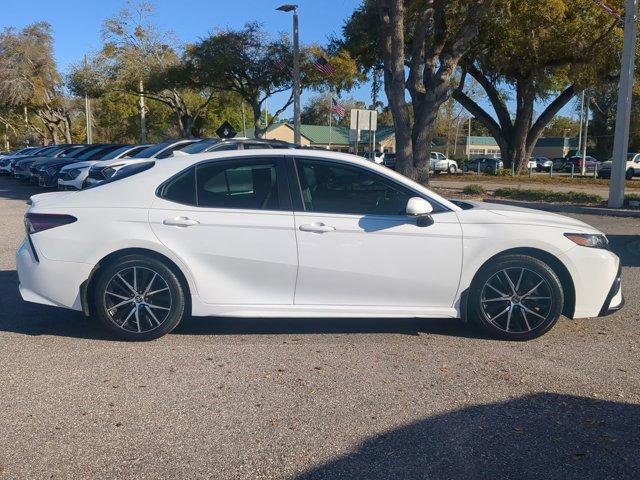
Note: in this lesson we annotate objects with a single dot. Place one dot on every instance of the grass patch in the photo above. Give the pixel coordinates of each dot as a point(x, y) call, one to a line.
point(631, 197)
point(474, 189)
point(543, 195)
point(505, 177)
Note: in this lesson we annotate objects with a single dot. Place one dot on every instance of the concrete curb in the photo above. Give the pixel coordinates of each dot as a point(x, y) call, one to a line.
point(568, 208)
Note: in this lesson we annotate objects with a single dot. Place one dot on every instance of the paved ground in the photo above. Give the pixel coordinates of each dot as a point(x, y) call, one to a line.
point(312, 399)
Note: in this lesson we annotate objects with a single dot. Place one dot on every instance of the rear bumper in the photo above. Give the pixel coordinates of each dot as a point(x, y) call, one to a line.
point(615, 298)
point(49, 282)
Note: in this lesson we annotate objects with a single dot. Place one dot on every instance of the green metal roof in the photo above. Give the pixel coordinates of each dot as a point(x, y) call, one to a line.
point(319, 134)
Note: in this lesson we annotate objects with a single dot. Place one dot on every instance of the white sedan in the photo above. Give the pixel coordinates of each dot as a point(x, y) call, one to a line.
point(305, 233)
point(73, 176)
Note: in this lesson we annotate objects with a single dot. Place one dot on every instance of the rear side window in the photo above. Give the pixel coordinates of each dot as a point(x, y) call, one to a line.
point(181, 188)
point(243, 185)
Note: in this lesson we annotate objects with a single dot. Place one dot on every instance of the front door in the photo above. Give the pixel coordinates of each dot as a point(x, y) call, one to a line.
point(231, 223)
point(356, 246)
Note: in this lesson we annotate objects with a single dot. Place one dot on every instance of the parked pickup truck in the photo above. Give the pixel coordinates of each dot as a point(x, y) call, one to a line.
point(440, 163)
point(632, 169)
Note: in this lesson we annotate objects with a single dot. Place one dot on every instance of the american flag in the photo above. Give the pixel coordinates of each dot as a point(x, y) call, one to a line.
point(337, 107)
point(323, 66)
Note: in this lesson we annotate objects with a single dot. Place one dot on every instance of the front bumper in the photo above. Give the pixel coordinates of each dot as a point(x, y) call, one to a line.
point(615, 298)
point(46, 180)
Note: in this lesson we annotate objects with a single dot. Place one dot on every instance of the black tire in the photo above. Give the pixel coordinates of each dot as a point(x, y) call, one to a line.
point(629, 174)
point(451, 170)
point(488, 170)
point(484, 313)
point(465, 169)
point(168, 302)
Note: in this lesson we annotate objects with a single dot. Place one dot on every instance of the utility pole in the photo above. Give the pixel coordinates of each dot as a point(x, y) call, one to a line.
point(583, 169)
point(623, 116)
point(244, 122)
point(143, 113)
point(469, 141)
point(296, 70)
point(581, 120)
point(87, 111)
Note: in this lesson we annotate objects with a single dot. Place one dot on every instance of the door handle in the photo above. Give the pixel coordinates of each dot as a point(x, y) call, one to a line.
point(316, 228)
point(180, 222)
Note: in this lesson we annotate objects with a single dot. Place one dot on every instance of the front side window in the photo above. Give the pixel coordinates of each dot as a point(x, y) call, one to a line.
point(336, 188)
point(251, 185)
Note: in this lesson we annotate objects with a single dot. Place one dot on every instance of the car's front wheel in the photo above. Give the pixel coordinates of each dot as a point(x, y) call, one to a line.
point(138, 297)
point(516, 297)
point(452, 169)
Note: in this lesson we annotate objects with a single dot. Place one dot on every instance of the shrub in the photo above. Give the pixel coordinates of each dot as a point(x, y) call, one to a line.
point(542, 195)
point(473, 189)
point(631, 197)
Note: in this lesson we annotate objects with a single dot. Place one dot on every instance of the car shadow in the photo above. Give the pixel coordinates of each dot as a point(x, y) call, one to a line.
point(27, 318)
point(627, 247)
point(544, 435)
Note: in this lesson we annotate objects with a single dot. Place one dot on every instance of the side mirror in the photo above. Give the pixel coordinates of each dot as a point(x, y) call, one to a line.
point(421, 209)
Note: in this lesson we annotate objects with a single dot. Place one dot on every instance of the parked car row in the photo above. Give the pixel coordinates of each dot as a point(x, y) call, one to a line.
point(74, 167)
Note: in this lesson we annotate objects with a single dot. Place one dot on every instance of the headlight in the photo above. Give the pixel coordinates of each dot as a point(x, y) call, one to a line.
point(591, 240)
point(110, 171)
point(73, 173)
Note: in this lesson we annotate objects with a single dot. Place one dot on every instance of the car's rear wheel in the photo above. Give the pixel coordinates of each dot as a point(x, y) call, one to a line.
point(465, 168)
point(138, 297)
point(516, 297)
point(452, 169)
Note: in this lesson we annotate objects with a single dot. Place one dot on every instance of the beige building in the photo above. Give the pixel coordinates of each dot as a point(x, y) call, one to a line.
point(334, 138)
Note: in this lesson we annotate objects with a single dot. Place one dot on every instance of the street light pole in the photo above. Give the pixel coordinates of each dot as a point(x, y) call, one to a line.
point(623, 116)
point(296, 71)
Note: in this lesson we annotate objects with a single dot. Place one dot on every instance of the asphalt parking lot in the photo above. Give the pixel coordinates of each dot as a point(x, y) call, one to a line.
point(316, 399)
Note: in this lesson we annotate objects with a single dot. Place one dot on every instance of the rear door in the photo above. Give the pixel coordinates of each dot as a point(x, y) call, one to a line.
point(231, 223)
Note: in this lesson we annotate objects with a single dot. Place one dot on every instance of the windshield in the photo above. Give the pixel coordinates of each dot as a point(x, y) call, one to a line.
point(152, 150)
point(116, 153)
point(199, 146)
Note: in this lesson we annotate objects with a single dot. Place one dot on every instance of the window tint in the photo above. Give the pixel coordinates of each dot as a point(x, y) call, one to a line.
point(181, 188)
point(250, 184)
point(334, 188)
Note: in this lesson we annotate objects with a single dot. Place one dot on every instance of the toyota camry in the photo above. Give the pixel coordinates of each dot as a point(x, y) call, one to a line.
point(305, 233)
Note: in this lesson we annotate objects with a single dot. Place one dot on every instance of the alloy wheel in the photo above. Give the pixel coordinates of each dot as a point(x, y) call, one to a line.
point(516, 300)
point(137, 299)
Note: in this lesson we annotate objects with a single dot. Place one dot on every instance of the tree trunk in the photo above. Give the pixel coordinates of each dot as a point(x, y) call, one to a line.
point(392, 41)
point(516, 138)
point(258, 129)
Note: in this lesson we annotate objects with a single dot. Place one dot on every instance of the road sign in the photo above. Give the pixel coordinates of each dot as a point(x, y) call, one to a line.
point(226, 130)
point(364, 119)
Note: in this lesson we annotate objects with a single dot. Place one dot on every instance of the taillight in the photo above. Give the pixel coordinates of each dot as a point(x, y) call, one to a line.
point(37, 222)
